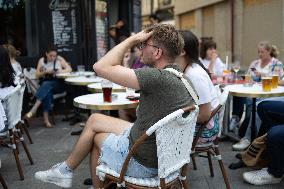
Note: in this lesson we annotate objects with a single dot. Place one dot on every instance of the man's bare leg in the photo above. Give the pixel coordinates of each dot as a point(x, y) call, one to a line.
point(99, 138)
point(97, 123)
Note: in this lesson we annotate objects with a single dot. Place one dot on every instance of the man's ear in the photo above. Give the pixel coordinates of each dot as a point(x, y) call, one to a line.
point(158, 53)
point(182, 53)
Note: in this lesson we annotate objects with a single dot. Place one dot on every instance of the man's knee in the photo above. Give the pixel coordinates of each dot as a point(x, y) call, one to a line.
point(262, 106)
point(94, 119)
point(276, 135)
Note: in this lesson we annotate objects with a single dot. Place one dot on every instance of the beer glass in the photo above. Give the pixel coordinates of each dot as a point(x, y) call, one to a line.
point(107, 90)
point(266, 83)
point(274, 81)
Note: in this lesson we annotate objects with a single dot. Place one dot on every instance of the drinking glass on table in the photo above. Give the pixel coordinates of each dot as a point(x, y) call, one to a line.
point(236, 67)
point(275, 79)
point(81, 69)
point(130, 92)
point(266, 80)
point(107, 90)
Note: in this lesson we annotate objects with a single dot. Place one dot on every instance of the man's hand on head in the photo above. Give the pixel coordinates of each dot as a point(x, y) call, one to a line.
point(141, 37)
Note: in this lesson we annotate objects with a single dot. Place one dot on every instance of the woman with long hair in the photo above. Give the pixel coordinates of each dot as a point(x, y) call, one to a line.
point(7, 76)
point(200, 78)
point(13, 54)
point(47, 67)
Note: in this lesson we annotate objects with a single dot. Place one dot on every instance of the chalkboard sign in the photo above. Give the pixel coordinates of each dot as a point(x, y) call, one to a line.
point(101, 28)
point(64, 24)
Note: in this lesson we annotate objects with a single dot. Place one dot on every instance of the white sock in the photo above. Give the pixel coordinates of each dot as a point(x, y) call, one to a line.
point(64, 168)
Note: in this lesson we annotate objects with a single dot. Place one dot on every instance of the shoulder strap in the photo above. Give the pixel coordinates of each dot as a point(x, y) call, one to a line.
point(187, 85)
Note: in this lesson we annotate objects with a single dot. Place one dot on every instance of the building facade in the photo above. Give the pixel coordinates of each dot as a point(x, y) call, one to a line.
point(236, 25)
point(77, 28)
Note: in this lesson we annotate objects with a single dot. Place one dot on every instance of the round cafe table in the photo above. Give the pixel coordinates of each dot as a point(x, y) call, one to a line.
point(254, 91)
point(95, 102)
point(97, 88)
point(82, 81)
point(74, 74)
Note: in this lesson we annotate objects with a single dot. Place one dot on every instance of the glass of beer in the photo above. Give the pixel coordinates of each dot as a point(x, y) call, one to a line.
point(274, 81)
point(266, 83)
point(107, 90)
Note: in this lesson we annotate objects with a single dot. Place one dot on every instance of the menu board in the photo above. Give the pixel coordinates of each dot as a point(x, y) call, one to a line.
point(101, 28)
point(64, 24)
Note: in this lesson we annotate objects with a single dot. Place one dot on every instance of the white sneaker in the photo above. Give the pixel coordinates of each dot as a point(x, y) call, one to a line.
point(260, 177)
point(242, 145)
point(235, 122)
point(53, 175)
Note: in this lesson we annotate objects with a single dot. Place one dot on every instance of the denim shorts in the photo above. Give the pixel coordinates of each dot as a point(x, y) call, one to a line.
point(114, 151)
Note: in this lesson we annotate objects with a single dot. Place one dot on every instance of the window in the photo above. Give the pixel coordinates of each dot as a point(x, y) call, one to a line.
point(13, 25)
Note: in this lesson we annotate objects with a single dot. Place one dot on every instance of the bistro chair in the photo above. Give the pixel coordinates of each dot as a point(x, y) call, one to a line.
point(13, 107)
point(33, 85)
point(212, 148)
point(2, 181)
point(174, 135)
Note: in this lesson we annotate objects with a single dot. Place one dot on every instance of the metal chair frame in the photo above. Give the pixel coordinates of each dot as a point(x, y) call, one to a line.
point(212, 149)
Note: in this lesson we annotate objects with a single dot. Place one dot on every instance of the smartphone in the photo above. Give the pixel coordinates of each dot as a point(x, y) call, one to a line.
point(253, 69)
point(133, 97)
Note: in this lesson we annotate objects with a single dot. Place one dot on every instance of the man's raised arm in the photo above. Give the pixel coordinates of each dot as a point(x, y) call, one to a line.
point(109, 66)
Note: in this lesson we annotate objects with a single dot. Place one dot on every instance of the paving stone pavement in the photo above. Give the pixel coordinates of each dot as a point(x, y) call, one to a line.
point(52, 145)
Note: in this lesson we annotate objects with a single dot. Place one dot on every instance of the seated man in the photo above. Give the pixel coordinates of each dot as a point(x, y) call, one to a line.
point(274, 173)
point(161, 92)
point(271, 114)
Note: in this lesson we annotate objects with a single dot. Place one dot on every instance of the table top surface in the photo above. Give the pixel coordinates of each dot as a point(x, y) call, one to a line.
point(74, 74)
point(82, 80)
point(254, 91)
point(95, 102)
point(97, 88)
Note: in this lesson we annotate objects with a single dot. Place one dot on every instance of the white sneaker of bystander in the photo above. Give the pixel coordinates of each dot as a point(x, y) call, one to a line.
point(260, 177)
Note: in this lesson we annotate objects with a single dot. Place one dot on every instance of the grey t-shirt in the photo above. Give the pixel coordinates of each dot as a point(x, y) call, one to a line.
point(161, 93)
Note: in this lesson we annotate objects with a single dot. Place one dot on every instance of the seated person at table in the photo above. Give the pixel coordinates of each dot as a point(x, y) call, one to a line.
point(161, 92)
point(209, 57)
point(200, 78)
point(272, 115)
point(7, 76)
point(14, 53)
point(47, 67)
point(266, 64)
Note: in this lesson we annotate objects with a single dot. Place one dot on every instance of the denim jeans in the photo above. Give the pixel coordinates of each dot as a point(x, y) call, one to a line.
point(275, 150)
point(271, 113)
point(46, 91)
point(238, 106)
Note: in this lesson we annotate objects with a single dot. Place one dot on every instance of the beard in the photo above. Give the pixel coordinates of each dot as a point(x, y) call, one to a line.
point(147, 61)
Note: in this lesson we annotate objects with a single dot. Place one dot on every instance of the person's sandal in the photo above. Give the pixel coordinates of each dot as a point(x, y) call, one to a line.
point(48, 125)
point(29, 115)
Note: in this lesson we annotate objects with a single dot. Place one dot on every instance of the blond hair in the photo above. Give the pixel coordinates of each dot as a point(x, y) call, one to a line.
point(13, 52)
point(269, 47)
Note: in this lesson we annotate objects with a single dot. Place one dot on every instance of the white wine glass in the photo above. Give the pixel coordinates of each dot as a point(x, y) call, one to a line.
point(236, 67)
